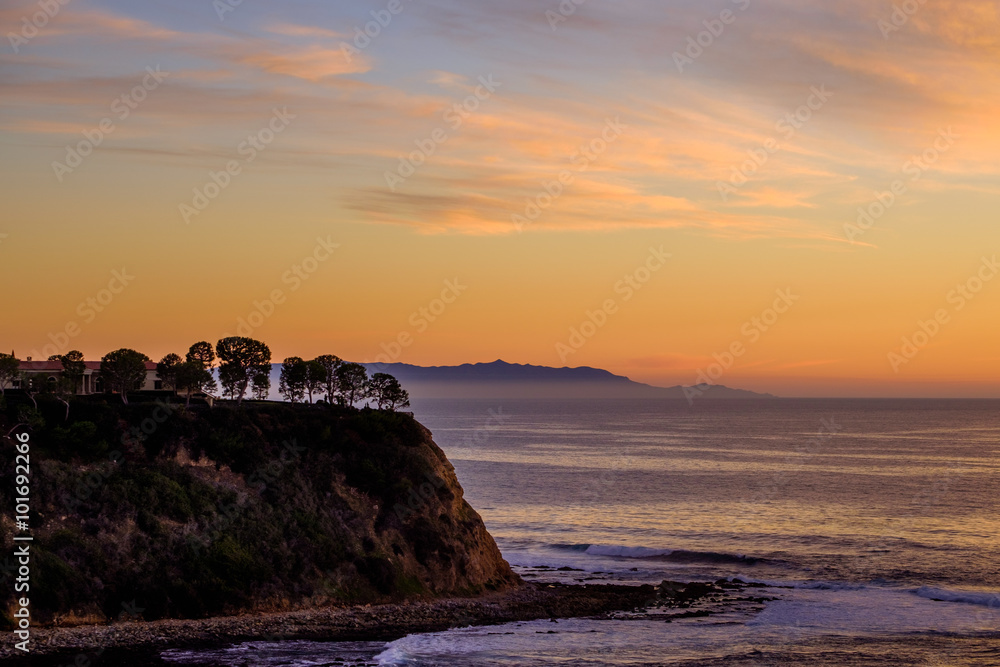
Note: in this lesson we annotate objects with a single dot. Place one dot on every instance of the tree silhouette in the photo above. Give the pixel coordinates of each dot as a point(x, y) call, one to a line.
point(352, 383)
point(261, 382)
point(10, 370)
point(243, 361)
point(124, 370)
point(70, 378)
point(192, 377)
point(167, 370)
point(387, 392)
point(315, 378)
point(202, 353)
point(230, 378)
point(330, 364)
point(292, 384)
point(73, 368)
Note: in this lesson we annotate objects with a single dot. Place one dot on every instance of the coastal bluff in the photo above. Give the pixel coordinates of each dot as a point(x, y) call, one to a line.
point(153, 511)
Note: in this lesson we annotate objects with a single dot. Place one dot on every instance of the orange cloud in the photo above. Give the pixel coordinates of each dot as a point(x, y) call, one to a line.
point(313, 63)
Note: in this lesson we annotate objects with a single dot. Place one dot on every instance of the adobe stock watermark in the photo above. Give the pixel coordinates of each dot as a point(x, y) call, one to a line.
point(565, 9)
point(899, 17)
point(121, 108)
point(223, 7)
point(454, 117)
point(585, 155)
point(915, 167)
point(626, 287)
point(751, 332)
point(787, 125)
point(364, 36)
point(421, 319)
point(32, 25)
point(957, 298)
point(249, 149)
point(294, 277)
point(714, 27)
point(88, 310)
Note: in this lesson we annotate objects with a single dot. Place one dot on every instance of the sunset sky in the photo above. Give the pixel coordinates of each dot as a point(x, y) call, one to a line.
point(648, 111)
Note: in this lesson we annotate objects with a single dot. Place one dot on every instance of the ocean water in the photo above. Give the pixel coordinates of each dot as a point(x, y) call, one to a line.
point(874, 525)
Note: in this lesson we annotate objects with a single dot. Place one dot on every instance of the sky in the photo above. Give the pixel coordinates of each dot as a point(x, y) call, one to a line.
point(792, 197)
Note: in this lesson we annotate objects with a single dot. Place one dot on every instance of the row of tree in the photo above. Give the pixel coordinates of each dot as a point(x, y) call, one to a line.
point(339, 382)
point(244, 365)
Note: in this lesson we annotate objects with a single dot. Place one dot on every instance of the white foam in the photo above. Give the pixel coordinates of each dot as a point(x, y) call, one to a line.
point(867, 610)
point(985, 599)
point(764, 582)
point(394, 655)
point(619, 551)
point(419, 649)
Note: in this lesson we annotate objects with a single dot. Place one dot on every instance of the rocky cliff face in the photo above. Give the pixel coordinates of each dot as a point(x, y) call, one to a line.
point(154, 511)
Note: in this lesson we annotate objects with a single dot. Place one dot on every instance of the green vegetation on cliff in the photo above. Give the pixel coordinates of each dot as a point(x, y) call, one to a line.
point(158, 510)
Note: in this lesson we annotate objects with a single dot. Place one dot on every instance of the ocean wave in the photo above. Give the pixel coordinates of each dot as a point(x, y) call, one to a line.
point(648, 553)
point(984, 599)
point(831, 586)
point(393, 655)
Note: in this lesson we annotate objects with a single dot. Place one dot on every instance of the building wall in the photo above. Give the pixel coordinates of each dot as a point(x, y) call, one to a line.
point(90, 383)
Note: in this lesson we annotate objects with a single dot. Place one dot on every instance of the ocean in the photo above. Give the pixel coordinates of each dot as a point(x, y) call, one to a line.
point(873, 526)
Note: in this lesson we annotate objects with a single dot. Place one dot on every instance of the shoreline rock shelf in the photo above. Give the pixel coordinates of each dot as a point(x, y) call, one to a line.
point(141, 642)
point(124, 643)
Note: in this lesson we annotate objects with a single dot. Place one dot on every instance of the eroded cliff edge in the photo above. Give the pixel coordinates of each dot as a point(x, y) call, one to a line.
point(155, 511)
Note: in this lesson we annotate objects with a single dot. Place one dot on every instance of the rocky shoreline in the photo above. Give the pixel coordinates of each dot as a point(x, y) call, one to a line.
point(140, 643)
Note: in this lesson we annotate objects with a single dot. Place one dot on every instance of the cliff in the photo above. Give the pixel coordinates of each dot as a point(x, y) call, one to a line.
point(155, 511)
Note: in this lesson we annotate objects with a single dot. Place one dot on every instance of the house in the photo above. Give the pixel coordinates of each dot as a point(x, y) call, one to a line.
point(91, 383)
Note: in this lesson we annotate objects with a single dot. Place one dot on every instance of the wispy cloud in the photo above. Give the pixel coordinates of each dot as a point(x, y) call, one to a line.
point(685, 132)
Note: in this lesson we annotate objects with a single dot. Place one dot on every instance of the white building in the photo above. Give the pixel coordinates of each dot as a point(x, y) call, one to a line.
point(91, 383)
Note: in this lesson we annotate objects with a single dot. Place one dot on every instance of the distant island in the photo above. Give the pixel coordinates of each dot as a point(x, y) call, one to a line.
point(500, 379)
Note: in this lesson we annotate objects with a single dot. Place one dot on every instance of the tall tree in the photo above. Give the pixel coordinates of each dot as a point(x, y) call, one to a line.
point(192, 377)
point(242, 361)
point(261, 382)
point(62, 389)
point(315, 378)
point(292, 384)
point(330, 364)
point(203, 353)
point(73, 369)
point(229, 379)
point(387, 392)
point(167, 370)
point(352, 383)
point(124, 370)
point(10, 370)
point(70, 378)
